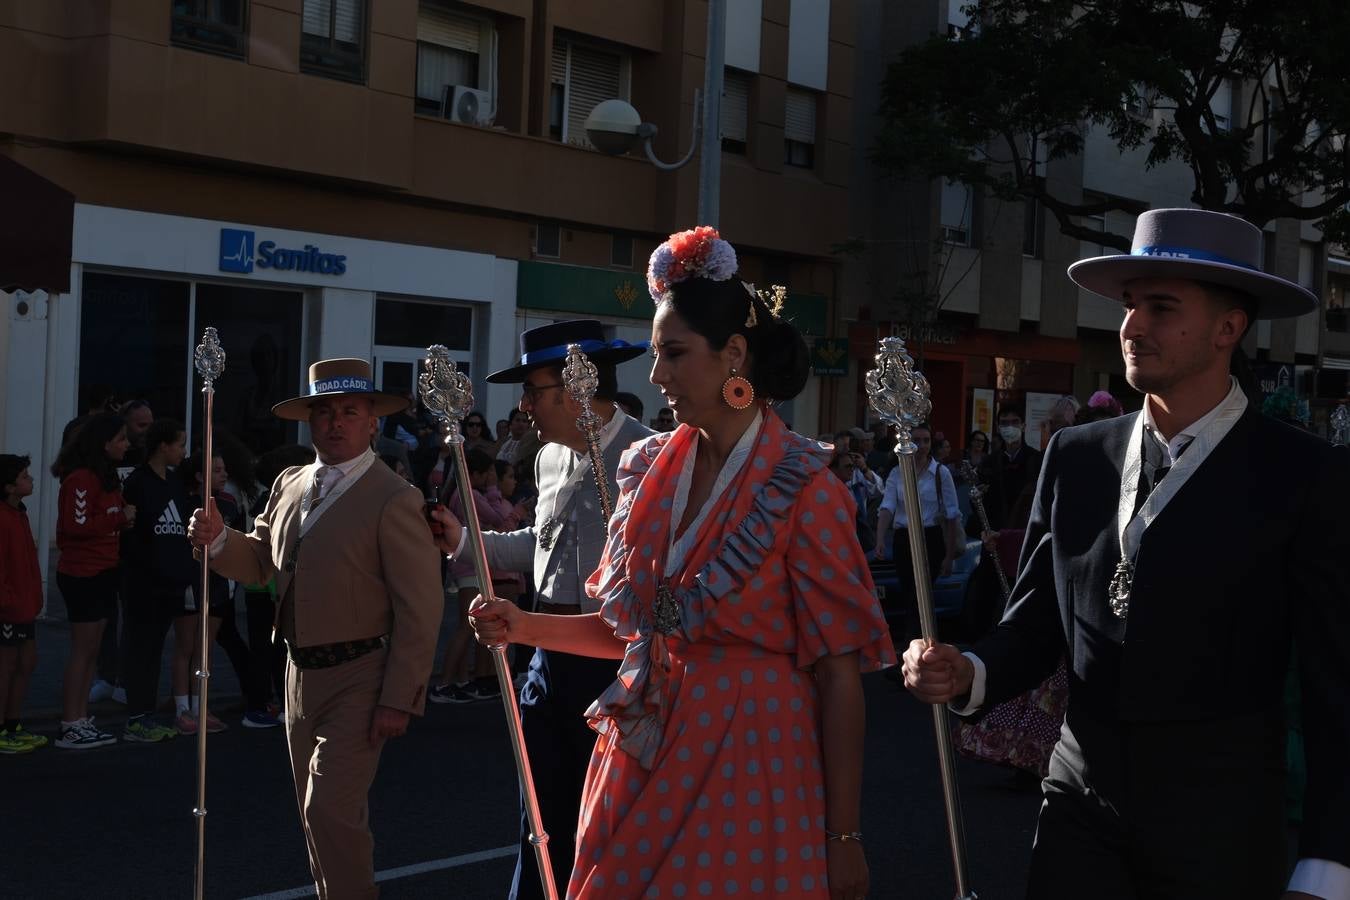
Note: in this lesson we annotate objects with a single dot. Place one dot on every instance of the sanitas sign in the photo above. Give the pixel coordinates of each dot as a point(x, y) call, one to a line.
point(237, 255)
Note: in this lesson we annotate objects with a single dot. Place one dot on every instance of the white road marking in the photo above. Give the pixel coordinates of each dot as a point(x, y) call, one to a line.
point(435, 865)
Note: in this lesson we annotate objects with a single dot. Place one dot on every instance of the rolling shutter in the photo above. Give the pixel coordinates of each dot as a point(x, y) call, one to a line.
point(735, 105)
point(595, 76)
point(799, 120)
point(439, 26)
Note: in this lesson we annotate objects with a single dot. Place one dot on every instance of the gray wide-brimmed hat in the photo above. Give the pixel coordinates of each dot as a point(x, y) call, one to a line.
point(1198, 245)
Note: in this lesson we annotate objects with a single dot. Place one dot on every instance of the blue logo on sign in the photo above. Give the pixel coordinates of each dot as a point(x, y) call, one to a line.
point(236, 255)
point(236, 250)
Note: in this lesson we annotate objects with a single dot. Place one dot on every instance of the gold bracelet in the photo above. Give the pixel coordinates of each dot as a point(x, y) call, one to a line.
point(843, 836)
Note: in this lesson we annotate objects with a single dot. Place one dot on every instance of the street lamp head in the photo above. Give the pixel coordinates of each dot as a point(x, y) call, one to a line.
point(613, 127)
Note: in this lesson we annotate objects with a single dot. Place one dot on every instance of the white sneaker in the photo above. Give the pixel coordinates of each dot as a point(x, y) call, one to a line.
point(119, 695)
point(100, 690)
point(82, 735)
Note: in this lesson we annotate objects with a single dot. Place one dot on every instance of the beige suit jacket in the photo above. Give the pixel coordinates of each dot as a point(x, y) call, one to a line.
point(367, 567)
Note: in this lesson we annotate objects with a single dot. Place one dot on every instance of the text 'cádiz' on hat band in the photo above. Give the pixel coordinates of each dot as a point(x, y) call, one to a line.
point(547, 346)
point(338, 378)
point(1196, 245)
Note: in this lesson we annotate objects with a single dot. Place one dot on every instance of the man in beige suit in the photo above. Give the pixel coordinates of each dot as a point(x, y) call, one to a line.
point(361, 603)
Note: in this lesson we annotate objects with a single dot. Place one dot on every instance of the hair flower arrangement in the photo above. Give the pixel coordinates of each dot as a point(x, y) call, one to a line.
point(699, 252)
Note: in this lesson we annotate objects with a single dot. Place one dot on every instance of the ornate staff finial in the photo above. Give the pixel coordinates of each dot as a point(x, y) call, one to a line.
point(209, 359)
point(898, 392)
point(582, 381)
point(446, 392)
point(1340, 425)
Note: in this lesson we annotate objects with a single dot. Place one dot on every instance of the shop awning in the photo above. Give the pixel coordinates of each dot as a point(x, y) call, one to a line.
point(36, 220)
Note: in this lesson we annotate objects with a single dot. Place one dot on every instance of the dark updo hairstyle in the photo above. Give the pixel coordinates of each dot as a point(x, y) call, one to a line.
point(85, 449)
point(779, 361)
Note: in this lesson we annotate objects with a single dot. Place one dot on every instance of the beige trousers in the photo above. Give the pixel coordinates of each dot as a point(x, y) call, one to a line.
point(328, 716)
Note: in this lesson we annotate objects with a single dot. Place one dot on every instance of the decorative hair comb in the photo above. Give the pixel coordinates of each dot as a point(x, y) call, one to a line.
point(697, 253)
point(773, 298)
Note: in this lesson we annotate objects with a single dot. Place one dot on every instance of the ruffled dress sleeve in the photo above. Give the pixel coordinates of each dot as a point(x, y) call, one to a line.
point(834, 601)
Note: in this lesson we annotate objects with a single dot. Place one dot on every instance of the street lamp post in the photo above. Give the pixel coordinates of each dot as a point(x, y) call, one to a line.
point(615, 127)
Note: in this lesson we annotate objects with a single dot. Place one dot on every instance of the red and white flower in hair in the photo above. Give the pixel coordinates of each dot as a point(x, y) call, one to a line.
point(699, 252)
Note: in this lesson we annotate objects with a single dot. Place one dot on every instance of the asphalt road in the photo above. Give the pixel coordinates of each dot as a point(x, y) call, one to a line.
point(117, 822)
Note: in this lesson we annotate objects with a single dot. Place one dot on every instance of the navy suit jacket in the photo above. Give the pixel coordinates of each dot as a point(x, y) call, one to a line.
point(1250, 557)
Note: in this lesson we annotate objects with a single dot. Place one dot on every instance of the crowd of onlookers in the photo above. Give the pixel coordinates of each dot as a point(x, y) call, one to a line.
point(127, 576)
point(978, 492)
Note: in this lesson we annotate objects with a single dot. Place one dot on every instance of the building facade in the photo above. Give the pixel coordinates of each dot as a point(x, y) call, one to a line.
point(1010, 325)
point(321, 178)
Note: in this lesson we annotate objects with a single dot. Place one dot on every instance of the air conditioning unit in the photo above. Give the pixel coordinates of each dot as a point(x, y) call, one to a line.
point(467, 105)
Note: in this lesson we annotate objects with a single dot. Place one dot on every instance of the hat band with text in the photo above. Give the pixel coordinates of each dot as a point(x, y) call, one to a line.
point(344, 384)
point(1189, 253)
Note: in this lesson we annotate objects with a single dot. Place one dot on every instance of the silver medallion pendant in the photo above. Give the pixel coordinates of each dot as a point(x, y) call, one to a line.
point(665, 610)
point(546, 533)
point(1118, 595)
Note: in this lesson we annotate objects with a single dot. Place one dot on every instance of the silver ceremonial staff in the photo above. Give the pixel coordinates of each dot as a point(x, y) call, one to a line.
point(448, 395)
point(582, 380)
point(900, 396)
point(972, 475)
point(210, 362)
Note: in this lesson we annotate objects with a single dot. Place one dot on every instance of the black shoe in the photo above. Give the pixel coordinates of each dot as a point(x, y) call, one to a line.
point(485, 689)
point(450, 693)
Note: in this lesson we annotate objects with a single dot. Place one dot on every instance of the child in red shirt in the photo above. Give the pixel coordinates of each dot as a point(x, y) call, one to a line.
point(91, 516)
point(20, 603)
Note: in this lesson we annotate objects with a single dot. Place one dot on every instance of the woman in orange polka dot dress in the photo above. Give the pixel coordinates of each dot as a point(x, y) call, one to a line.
point(729, 755)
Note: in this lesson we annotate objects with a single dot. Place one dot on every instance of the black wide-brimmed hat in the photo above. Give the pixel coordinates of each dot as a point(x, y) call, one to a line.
point(335, 378)
point(1198, 245)
point(547, 346)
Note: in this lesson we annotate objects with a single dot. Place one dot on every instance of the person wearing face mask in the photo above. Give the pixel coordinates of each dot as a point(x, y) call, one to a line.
point(1010, 472)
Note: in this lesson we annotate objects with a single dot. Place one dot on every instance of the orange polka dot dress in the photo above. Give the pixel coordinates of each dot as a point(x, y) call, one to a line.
point(707, 779)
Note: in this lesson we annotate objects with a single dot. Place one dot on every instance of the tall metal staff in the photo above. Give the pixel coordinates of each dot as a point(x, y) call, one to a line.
point(582, 381)
point(970, 474)
point(448, 395)
point(900, 396)
point(210, 362)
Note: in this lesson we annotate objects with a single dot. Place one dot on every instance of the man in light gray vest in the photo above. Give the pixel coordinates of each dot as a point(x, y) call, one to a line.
point(563, 548)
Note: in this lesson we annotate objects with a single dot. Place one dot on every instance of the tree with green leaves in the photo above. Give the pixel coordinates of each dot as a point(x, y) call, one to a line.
point(1251, 95)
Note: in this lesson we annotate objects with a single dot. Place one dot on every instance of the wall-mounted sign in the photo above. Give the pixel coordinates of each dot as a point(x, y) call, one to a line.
point(237, 255)
point(829, 356)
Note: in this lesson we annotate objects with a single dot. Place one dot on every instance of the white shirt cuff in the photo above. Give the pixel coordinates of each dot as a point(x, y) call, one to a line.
point(976, 688)
point(1321, 878)
point(459, 548)
point(218, 544)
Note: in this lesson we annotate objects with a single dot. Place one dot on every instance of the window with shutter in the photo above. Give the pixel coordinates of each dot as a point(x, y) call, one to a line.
point(956, 212)
point(217, 26)
point(799, 128)
point(580, 77)
point(452, 50)
point(333, 38)
point(735, 114)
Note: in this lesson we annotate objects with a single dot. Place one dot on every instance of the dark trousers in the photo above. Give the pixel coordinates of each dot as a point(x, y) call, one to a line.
point(904, 572)
point(552, 710)
point(269, 656)
point(1165, 811)
point(254, 679)
point(146, 620)
point(110, 650)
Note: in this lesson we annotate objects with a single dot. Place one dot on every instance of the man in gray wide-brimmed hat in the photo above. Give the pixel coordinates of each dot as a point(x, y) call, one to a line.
point(1177, 601)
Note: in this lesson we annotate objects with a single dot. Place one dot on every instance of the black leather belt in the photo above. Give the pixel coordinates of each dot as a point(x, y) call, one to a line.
point(323, 656)
point(559, 609)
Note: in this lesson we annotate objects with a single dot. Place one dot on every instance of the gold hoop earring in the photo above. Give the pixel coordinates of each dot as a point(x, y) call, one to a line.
point(737, 392)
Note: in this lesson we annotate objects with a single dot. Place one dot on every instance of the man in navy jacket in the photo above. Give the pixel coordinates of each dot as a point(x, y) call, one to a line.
point(1176, 556)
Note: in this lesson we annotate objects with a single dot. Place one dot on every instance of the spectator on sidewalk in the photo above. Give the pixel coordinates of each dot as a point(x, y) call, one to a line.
point(466, 673)
point(157, 575)
point(630, 403)
point(518, 425)
point(90, 516)
point(20, 603)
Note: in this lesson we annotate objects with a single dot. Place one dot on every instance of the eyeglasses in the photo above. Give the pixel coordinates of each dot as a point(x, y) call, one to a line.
point(531, 392)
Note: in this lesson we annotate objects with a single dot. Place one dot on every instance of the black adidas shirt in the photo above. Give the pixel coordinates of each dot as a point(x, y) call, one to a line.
point(156, 555)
